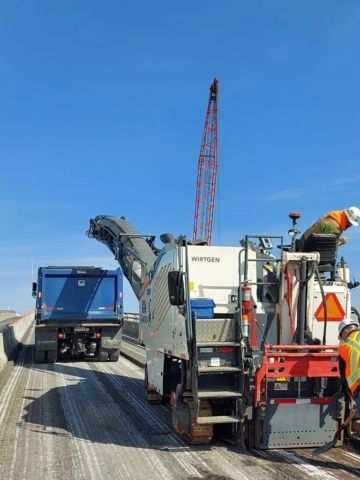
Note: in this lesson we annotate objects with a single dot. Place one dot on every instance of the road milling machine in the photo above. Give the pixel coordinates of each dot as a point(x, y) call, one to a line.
point(241, 341)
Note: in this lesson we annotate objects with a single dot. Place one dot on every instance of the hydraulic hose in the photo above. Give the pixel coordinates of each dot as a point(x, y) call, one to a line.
point(356, 312)
point(308, 278)
point(324, 302)
point(303, 279)
point(302, 303)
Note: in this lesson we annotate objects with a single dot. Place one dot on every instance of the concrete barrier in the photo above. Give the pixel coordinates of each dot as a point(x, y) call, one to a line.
point(5, 314)
point(14, 332)
point(12, 336)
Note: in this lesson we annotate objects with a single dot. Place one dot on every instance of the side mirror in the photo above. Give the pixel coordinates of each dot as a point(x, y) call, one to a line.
point(176, 289)
point(34, 289)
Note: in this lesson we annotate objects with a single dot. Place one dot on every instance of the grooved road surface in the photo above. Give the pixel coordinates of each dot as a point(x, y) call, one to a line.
point(90, 420)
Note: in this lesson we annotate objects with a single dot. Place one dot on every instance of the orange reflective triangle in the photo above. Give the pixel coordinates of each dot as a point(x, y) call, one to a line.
point(335, 312)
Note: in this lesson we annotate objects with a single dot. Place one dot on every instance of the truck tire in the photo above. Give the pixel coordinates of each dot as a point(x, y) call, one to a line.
point(39, 356)
point(103, 354)
point(114, 356)
point(52, 356)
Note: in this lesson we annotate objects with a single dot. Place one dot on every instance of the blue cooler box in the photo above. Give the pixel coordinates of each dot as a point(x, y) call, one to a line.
point(204, 307)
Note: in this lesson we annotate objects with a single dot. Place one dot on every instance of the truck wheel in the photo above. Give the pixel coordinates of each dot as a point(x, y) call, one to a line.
point(52, 356)
point(114, 357)
point(39, 356)
point(103, 354)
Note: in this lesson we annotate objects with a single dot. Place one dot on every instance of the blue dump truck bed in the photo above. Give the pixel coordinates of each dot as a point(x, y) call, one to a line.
point(79, 311)
point(68, 294)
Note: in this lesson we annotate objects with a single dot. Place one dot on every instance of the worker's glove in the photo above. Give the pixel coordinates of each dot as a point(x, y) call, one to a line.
point(343, 240)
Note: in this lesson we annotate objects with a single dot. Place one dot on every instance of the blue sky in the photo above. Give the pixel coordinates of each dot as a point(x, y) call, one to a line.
point(103, 107)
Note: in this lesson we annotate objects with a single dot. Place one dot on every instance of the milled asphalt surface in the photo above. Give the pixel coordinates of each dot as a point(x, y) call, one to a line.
point(90, 420)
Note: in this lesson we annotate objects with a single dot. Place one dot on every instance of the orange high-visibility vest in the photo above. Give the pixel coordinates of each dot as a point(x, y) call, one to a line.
point(338, 218)
point(349, 351)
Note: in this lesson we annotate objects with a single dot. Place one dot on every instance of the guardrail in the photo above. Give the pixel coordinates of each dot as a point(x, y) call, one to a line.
point(131, 324)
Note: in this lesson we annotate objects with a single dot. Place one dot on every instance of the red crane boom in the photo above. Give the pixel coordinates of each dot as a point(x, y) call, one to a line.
point(207, 171)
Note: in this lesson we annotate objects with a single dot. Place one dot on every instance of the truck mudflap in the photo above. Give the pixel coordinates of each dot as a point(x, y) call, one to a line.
point(297, 396)
point(46, 338)
point(111, 337)
point(301, 422)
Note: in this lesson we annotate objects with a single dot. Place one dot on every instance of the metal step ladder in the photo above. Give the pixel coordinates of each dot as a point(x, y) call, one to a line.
point(216, 358)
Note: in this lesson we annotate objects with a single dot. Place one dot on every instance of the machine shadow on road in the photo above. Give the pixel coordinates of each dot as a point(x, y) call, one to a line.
point(93, 404)
point(97, 406)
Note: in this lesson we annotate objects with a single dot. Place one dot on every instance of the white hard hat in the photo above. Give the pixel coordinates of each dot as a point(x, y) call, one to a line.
point(345, 323)
point(353, 214)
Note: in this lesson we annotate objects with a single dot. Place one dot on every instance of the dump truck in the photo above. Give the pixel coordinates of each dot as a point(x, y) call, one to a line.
point(242, 342)
point(78, 312)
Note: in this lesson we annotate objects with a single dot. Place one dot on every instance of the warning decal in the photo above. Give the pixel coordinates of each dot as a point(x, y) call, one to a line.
point(335, 311)
point(280, 386)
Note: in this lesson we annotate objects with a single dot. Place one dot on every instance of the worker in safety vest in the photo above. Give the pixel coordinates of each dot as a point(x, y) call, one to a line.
point(335, 223)
point(349, 358)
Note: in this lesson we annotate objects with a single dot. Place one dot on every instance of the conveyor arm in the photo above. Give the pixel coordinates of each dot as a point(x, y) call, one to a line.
point(134, 251)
